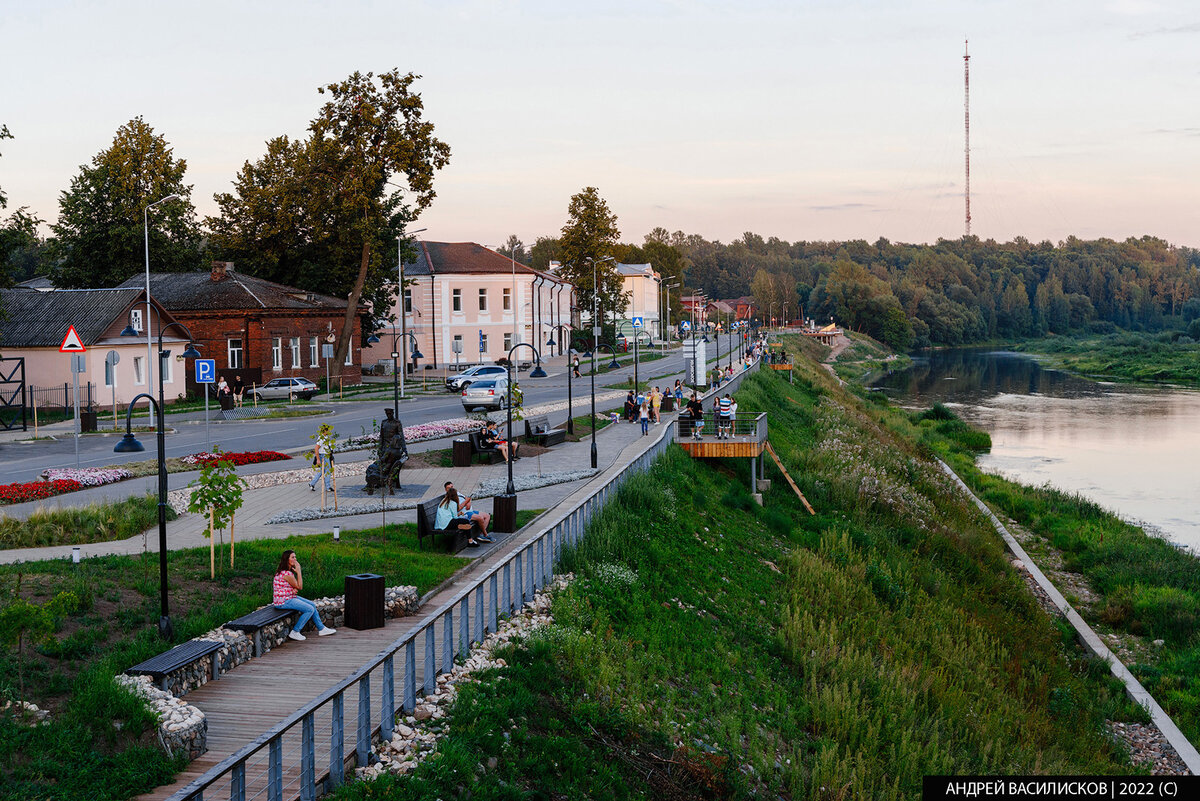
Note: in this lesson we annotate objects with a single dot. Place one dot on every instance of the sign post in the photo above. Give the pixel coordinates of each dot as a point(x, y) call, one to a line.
point(206, 374)
point(111, 359)
point(78, 365)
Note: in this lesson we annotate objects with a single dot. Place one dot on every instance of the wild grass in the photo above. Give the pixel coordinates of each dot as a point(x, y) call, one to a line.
point(96, 522)
point(1128, 356)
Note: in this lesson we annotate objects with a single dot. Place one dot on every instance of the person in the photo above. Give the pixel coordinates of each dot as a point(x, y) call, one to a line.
point(733, 417)
point(644, 416)
point(575, 367)
point(728, 372)
point(239, 389)
point(474, 515)
point(323, 457)
point(222, 387)
point(724, 421)
point(449, 516)
point(630, 411)
point(695, 411)
point(678, 392)
point(289, 580)
point(655, 404)
point(491, 439)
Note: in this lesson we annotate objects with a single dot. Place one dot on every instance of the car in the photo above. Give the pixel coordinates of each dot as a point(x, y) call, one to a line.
point(284, 388)
point(488, 393)
point(464, 379)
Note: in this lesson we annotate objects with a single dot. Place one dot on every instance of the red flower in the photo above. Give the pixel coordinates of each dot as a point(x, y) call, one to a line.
point(36, 490)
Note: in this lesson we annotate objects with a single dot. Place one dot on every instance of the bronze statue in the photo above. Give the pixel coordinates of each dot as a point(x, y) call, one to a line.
point(384, 473)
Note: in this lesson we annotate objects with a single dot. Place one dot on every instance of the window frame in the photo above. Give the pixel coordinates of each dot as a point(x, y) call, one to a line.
point(456, 300)
point(276, 353)
point(231, 351)
point(483, 299)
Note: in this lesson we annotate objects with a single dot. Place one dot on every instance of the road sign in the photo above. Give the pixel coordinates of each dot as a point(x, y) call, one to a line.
point(330, 337)
point(78, 363)
point(206, 371)
point(481, 340)
point(685, 325)
point(327, 351)
point(112, 358)
point(71, 342)
point(637, 322)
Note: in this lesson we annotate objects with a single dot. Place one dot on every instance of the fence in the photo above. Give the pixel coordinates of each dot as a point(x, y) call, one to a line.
point(64, 396)
point(306, 755)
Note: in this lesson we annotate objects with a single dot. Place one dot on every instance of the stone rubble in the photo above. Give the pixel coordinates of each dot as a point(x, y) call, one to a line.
point(1148, 747)
point(415, 736)
point(27, 712)
point(181, 726)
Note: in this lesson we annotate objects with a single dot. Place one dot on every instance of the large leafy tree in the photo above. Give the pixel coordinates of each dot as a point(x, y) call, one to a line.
point(22, 249)
point(99, 234)
point(589, 236)
point(4, 134)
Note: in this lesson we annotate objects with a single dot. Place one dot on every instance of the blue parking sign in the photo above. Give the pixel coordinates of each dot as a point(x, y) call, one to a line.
point(206, 371)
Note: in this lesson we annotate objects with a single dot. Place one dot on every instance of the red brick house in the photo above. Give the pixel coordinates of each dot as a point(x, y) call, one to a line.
point(256, 328)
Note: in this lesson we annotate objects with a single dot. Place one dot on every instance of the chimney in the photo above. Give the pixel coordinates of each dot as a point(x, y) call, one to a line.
point(219, 269)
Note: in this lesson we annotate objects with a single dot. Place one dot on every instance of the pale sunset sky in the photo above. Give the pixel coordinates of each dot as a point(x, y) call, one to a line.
point(801, 120)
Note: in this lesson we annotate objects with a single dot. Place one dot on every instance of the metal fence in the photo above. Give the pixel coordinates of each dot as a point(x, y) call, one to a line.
point(306, 755)
point(62, 397)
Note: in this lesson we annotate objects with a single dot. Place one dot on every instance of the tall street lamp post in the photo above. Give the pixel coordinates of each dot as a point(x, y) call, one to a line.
point(146, 233)
point(398, 390)
point(613, 365)
point(129, 444)
point(505, 506)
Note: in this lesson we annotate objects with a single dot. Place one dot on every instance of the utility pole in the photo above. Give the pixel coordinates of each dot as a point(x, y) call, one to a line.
point(967, 127)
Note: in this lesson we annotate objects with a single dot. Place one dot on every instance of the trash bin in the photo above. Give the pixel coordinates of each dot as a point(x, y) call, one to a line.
point(226, 401)
point(88, 421)
point(462, 453)
point(364, 601)
point(668, 403)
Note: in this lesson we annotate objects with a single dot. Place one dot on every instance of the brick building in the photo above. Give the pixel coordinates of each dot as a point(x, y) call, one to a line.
point(256, 328)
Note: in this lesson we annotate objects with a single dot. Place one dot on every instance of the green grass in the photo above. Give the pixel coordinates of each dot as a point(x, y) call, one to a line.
point(1125, 356)
point(96, 522)
point(82, 755)
point(727, 649)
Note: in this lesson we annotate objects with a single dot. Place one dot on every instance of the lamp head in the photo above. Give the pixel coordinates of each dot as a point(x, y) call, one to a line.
point(538, 372)
point(129, 331)
point(190, 351)
point(371, 340)
point(129, 444)
point(416, 354)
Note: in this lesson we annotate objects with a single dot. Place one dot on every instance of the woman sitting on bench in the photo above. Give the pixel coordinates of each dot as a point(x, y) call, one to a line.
point(289, 580)
point(491, 439)
point(450, 517)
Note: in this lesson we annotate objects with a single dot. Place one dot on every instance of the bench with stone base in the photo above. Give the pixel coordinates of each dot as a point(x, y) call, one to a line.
point(162, 666)
point(427, 521)
point(256, 621)
point(539, 432)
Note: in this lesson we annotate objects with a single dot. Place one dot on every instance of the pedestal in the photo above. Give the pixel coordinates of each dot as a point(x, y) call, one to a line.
point(364, 601)
point(504, 513)
point(462, 452)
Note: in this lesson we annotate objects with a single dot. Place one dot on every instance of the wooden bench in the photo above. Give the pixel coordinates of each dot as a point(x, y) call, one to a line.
point(478, 448)
point(256, 621)
point(161, 666)
point(539, 432)
point(427, 524)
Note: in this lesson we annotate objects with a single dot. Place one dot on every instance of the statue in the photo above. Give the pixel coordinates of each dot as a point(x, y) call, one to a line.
point(384, 473)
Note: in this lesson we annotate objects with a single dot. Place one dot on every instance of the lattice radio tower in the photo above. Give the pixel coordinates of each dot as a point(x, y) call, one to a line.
point(967, 127)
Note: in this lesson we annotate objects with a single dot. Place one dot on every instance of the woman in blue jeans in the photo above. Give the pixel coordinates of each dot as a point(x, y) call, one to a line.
point(289, 580)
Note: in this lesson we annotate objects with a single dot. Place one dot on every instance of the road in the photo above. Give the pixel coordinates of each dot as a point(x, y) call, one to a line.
point(23, 461)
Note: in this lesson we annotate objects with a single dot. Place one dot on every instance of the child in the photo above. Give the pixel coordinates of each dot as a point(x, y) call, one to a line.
point(644, 417)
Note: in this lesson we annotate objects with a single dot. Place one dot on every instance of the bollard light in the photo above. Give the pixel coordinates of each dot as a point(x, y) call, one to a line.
point(337, 533)
point(75, 554)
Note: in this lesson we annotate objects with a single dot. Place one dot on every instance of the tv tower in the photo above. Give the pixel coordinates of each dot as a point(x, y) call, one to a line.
point(967, 127)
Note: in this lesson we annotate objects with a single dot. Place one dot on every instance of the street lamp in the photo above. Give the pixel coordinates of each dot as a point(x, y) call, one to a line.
point(612, 366)
point(400, 292)
point(146, 233)
point(595, 295)
point(129, 444)
point(505, 506)
point(571, 354)
point(397, 392)
point(638, 333)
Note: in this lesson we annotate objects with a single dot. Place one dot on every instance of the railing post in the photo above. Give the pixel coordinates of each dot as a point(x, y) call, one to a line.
point(464, 627)
point(506, 604)
point(275, 770)
point(448, 640)
point(237, 782)
point(308, 759)
point(540, 577)
point(519, 589)
point(479, 633)
point(387, 715)
point(337, 741)
point(429, 680)
point(410, 675)
point(362, 742)
point(492, 602)
point(529, 568)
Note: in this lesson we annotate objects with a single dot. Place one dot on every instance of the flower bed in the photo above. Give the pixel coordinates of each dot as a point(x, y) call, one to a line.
point(238, 458)
point(36, 490)
point(88, 476)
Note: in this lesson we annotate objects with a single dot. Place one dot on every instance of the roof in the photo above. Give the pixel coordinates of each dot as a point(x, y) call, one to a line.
point(466, 258)
point(636, 269)
point(34, 319)
point(41, 282)
point(236, 291)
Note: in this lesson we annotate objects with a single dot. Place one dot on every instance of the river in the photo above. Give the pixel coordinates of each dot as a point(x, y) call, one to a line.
point(1134, 450)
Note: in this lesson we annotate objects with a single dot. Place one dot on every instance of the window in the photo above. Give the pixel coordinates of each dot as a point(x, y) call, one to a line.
point(164, 364)
point(483, 343)
point(483, 300)
point(276, 353)
point(296, 352)
point(110, 380)
point(507, 300)
point(233, 354)
point(350, 355)
point(139, 369)
point(457, 299)
point(508, 343)
point(312, 352)
point(135, 319)
point(408, 301)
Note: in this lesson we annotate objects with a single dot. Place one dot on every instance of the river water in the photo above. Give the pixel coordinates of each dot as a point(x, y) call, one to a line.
point(1133, 450)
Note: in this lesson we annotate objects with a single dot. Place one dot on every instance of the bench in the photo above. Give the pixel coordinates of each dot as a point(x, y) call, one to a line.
point(478, 448)
point(426, 522)
point(539, 432)
point(161, 666)
point(256, 621)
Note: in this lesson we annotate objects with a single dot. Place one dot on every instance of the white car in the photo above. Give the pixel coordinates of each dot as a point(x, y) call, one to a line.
point(471, 374)
point(488, 393)
point(284, 388)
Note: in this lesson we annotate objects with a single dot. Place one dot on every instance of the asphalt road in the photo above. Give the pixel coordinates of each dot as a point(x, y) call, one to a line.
point(23, 461)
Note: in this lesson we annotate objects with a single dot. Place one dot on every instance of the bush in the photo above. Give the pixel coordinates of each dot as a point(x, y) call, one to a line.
point(936, 412)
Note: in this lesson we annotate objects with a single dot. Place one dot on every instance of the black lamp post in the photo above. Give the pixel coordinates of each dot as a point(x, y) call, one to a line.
point(129, 444)
point(614, 364)
point(637, 335)
point(416, 354)
point(537, 372)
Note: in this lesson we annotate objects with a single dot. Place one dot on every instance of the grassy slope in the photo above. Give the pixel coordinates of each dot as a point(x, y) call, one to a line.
point(713, 648)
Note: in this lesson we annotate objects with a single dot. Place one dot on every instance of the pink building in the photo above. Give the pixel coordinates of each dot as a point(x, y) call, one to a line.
point(467, 304)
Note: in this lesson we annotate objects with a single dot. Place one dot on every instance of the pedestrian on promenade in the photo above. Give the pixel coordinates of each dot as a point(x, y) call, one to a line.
point(644, 416)
point(655, 404)
point(695, 411)
point(239, 389)
point(323, 457)
point(289, 580)
point(725, 417)
point(575, 367)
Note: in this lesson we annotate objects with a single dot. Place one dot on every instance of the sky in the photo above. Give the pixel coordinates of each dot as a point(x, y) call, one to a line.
point(799, 120)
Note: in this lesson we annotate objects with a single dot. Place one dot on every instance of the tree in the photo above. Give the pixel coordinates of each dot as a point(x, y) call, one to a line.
point(590, 234)
point(545, 250)
point(4, 134)
point(22, 621)
point(514, 248)
point(99, 234)
point(22, 250)
point(217, 491)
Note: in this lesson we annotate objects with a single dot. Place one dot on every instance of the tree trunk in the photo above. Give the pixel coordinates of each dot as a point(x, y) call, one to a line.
point(344, 342)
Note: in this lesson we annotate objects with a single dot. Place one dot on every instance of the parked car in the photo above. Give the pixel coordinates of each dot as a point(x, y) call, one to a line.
point(488, 393)
point(283, 388)
point(464, 379)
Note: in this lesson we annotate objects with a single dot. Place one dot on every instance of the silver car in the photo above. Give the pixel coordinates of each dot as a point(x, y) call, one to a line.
point(471, 374)
point(488, 393)
point(284, 388)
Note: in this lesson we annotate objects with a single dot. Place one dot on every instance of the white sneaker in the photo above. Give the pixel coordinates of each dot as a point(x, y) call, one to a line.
point(297, 636)
point(325, 632)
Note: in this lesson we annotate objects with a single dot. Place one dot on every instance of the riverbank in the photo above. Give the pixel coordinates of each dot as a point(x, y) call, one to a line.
point(1167, 357)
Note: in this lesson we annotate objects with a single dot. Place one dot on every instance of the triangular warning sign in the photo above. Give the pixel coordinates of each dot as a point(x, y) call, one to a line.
point(71, 342)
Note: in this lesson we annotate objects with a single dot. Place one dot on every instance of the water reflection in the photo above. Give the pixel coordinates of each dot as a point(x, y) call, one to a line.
point(1131, 449)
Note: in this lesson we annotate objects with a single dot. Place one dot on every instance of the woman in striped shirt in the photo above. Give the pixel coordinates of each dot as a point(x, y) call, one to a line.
point(289, 580)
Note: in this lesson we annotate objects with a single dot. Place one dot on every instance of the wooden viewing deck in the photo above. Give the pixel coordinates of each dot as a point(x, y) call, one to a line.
point(747, 442)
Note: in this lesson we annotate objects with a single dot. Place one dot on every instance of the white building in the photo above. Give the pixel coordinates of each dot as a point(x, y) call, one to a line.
point(642, 286)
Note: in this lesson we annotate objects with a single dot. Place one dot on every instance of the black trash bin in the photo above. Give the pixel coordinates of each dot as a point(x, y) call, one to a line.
point(88, 421)
point(226, 401)
point(364, 601)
